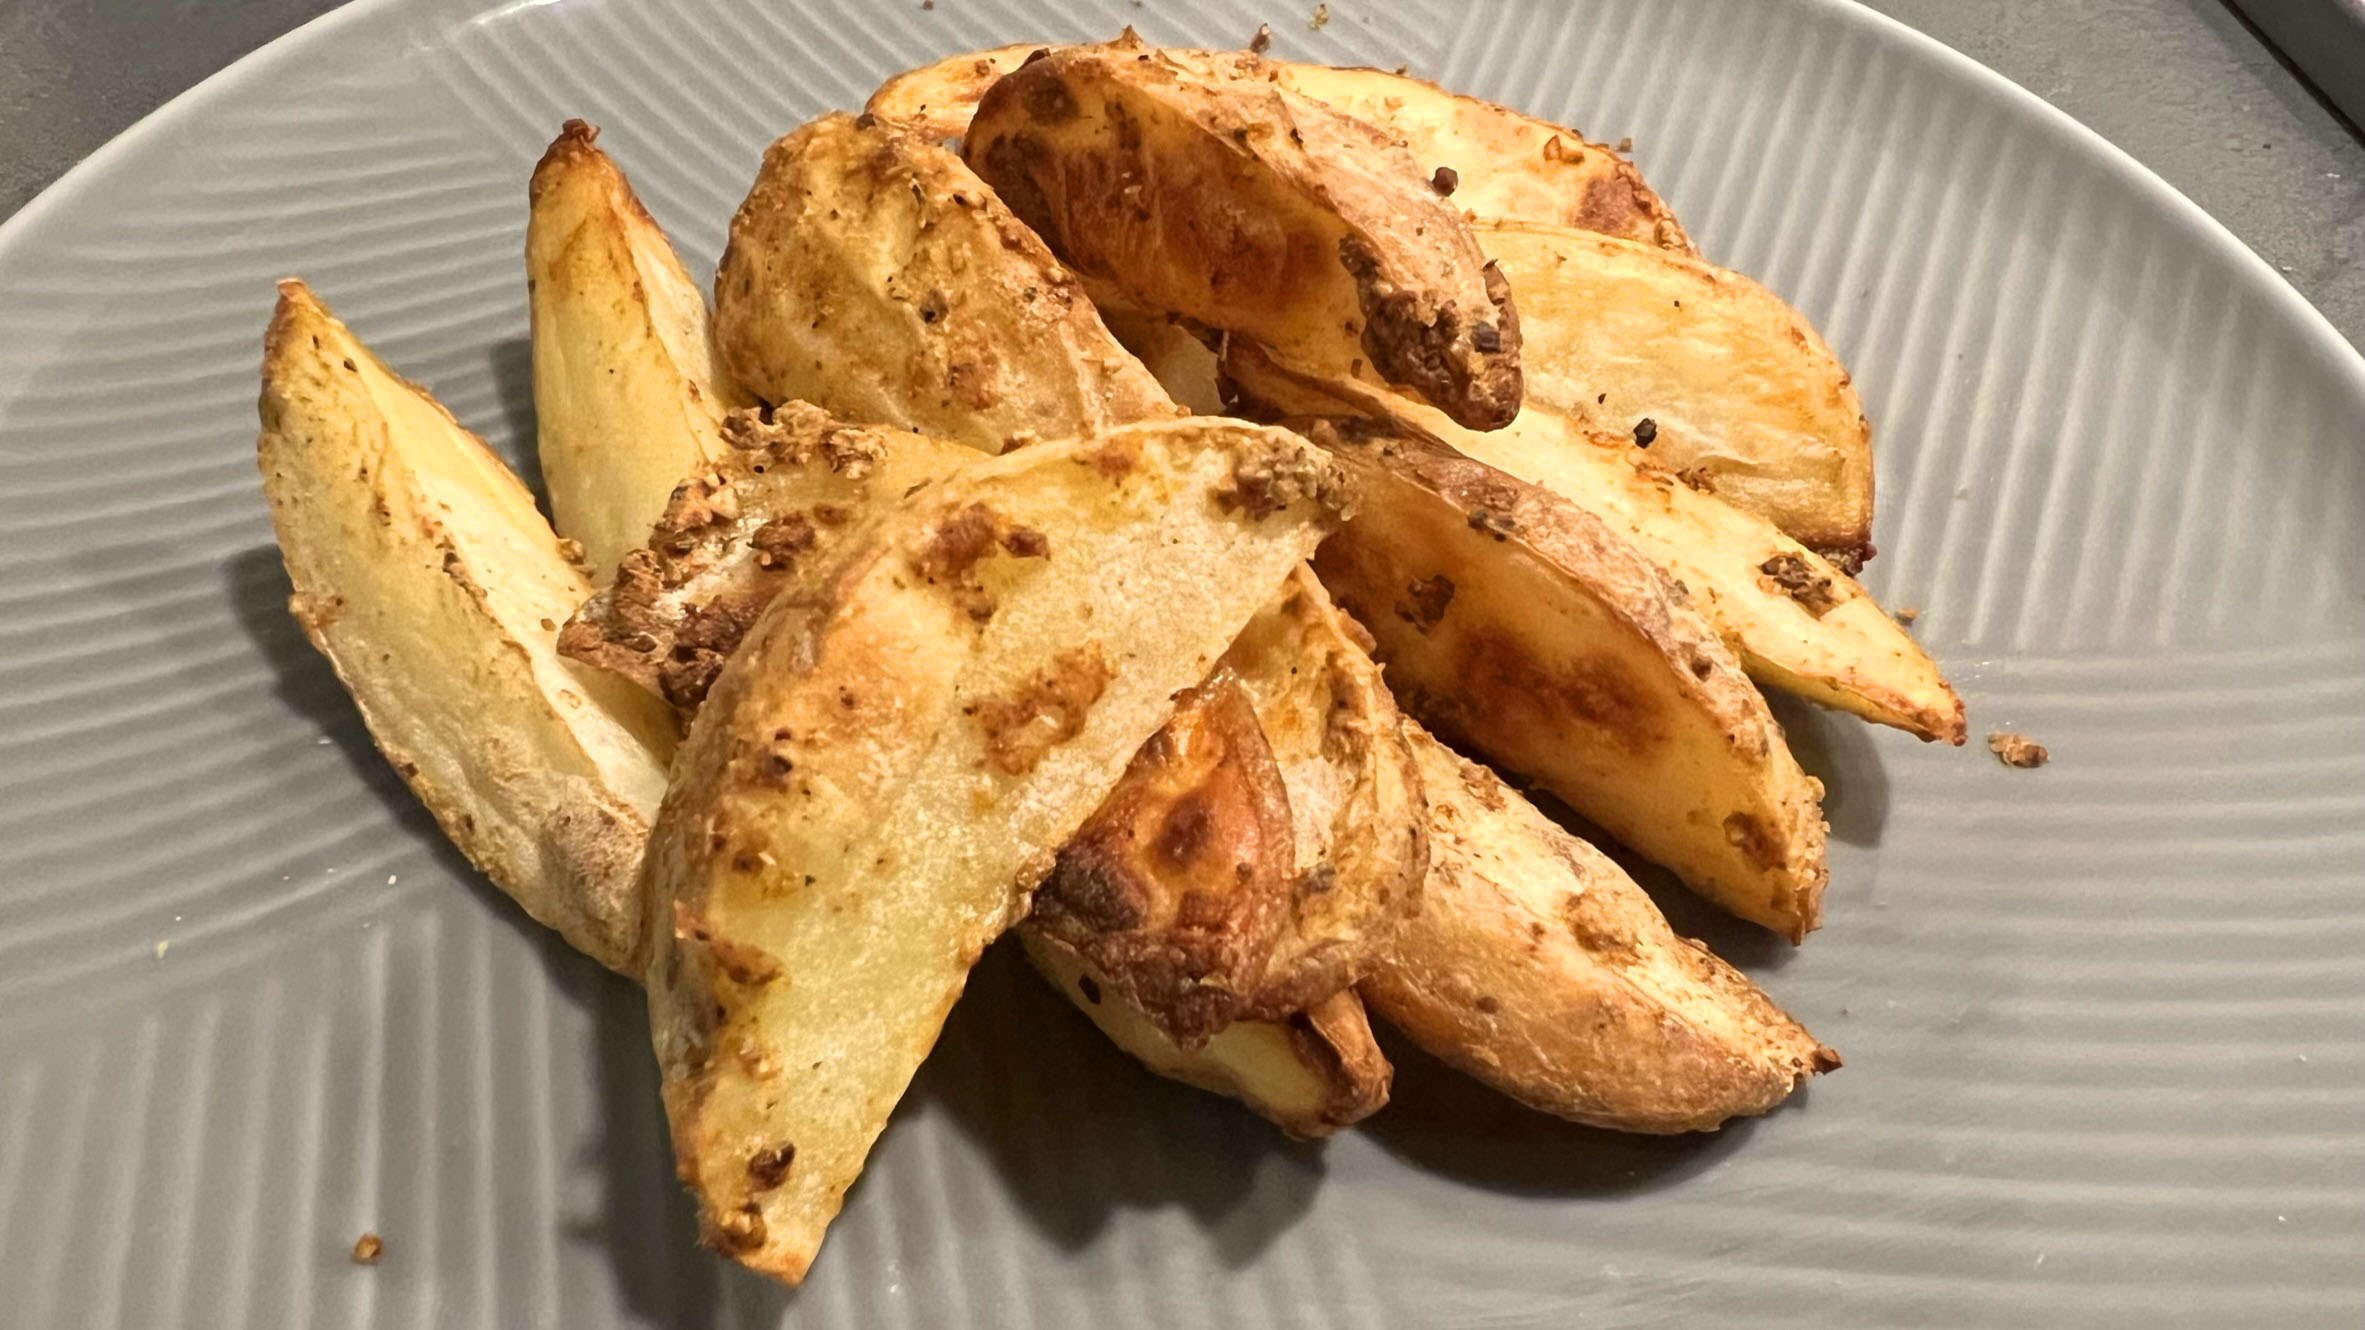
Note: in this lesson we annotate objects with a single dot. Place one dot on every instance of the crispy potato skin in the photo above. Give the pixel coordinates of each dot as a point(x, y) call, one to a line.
point(1744, 398)
point(1176, 890)
point(1797, 622)
point(1250, 209)
point(1309, 1073)
point(872, 274)
point(774, 510)
point(1262, 849)
point(1514, 622)
point(426, 576)
point(1538, 967)
point(1508, 165)
point(881, 774)
point(626, 391)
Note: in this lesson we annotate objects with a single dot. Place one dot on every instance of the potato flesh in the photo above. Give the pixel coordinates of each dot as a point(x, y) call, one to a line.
point(1540, 968)
point(871, 273)
point(1743, 396)
point(842, 841)
point(1519, 625)
point(626, 393)
point(424, 573)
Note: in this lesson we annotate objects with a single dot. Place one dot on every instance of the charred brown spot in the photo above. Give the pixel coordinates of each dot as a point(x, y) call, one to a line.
point(1264, 482)
point(1612, 204)
point(1799, 581)
point(1089, 987)
point(1488, 1004)
point(1495, 523)
point(1425, 602)
point(1744, 832)
point(952, 553)
point(740, 1228)
point(1505, 690)
point(1045, 712)
point(1026, 543)
point(767, 1169)
point(779, 541)
point(1699, 478)
point(1047, 100)
point(1445, 180)
point(1430, 345)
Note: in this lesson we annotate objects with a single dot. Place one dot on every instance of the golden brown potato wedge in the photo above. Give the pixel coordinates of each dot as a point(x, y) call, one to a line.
point(1262, 848)
point(769, 520)
point(886, 767)
point(792, 486)
point(871, 274)
point(1251, 209)
point(1742, 398)
point(1515, 622)
point(1504, 164)
point(425, 574)
point(1312, 1073)
point(625, 386)
point(1537, 966)
point(1797, 622)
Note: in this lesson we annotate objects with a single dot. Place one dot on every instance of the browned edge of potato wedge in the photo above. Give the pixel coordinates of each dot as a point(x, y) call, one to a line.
point(1511, 621)
point(886, 767)
point(1743, 396)
point(1310, 1074)
point(425, 574)
point(1251, 209)
point(1797, 622)
point(627, 396)
point(1503, 163)
point(795, 487)
point(792, 486)
point(1537, 966)
point(871, 273)
point(1262, 849)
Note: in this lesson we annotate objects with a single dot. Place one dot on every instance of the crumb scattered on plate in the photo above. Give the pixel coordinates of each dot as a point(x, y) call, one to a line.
point(1262, 41)
point(1906, 614)
point(1321, 16)
point(2017, 750)
point(368, 1249)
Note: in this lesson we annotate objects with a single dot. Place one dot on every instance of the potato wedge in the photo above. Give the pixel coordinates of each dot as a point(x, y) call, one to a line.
point(1743, 397)
point(1178, 357)
point(1311, 1074)
point(792, 486)
point(680, 608)
point(1262, 848)
point(1250, 209)
point(871, 274)
point(1797, 622)
point(1537, 966)
point(1505, 164)
point(425, 574)
point(1512, 621)
point(886, 767)
point(626, 391)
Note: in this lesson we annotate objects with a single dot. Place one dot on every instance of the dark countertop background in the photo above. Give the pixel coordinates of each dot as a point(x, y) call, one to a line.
point(2184, 85)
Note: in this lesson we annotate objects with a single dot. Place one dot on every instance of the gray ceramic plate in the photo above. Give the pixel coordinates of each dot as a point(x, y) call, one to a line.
point(2105, 1022)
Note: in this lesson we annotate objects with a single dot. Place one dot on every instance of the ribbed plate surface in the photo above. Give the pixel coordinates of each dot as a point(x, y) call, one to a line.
point(2105, 1022)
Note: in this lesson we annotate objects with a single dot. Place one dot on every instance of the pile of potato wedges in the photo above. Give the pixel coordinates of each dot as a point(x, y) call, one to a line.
point(1140, 498)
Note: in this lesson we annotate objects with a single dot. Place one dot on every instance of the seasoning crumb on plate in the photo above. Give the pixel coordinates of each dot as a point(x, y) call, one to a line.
point(1262, 41)
point(1906, 614)
point(1321, 16)
point(368, 1249)
point(2017, 750)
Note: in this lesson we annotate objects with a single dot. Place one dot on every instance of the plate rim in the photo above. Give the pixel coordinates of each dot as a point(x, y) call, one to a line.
point(19, 230)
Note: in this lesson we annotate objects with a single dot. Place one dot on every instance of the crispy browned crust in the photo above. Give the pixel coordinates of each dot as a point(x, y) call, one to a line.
point(872, 273)
point(1249, 208)
point(1504, 164)
point(839, 845)
point(1540, 968)
point(1176, 890)
point(794, 484)
point(1797, 622)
